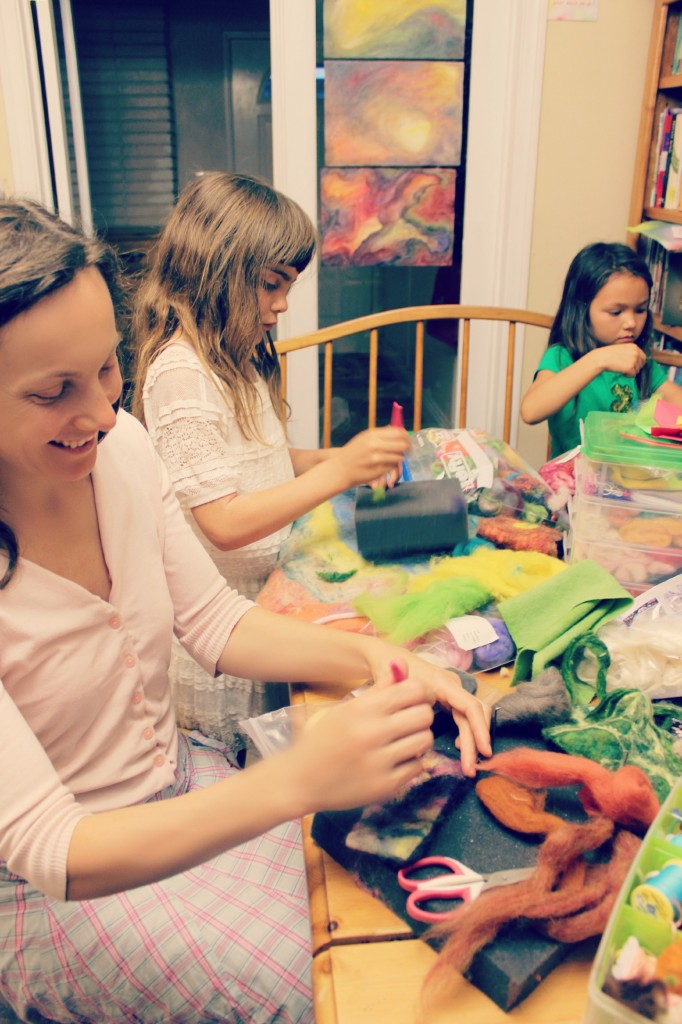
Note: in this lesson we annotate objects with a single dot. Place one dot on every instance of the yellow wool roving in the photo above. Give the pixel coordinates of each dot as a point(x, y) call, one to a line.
point(502, 571)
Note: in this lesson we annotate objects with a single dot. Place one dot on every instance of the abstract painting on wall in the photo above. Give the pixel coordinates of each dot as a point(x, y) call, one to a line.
point(391, 216)
point(386, 113)
point(430, 29)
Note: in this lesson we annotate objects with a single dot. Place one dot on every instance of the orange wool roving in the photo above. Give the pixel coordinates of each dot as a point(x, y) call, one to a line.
point(625, 796)
point(517, 807)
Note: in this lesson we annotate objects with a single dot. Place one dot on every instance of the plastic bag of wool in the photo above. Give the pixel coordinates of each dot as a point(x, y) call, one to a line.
point(644, 644)
point(495, 479)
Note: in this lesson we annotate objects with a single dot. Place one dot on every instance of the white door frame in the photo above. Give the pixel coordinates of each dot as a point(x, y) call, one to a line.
point(294, 166)
point(26, 127)
point(507, 60)
point(21, 92)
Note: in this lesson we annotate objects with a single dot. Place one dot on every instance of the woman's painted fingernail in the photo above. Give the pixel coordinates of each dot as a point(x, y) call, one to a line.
point(398, 673)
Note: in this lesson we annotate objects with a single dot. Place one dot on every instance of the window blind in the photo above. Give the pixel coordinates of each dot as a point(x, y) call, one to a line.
point(128, 113)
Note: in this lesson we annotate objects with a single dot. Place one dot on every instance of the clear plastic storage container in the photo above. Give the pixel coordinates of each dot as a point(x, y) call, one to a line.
point(653, 932)
point(627, 510)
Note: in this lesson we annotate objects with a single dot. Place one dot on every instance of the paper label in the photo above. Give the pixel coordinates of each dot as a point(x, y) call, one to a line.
point(471, 631)
point(573, 10)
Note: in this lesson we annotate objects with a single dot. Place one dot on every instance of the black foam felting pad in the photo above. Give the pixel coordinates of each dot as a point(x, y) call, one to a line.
point(509, 968)
point(417, 517)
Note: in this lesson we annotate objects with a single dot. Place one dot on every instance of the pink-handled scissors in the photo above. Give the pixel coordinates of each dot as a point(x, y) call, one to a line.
point(459, 883)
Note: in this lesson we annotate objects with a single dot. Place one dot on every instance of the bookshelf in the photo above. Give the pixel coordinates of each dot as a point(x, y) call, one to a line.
point(662, 91)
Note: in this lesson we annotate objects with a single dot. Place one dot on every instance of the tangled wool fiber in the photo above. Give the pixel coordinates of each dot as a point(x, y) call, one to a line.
point(407, 616)
point(623, 727)
point(517, 807)
point(519, 535)
point(452, 587)
point(580, 689)
point(566, 897)
point(626, 796)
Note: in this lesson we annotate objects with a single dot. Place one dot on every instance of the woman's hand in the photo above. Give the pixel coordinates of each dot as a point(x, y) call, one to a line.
point(362, 750)
point(373, 457)
point(471, 717)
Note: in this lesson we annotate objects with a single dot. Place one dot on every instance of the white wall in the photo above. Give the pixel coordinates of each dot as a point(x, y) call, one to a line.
point(6, 176)
point(591, 100)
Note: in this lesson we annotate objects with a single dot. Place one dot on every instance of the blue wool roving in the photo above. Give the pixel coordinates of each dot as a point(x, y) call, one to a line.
point(497, 652)
point(467, 547)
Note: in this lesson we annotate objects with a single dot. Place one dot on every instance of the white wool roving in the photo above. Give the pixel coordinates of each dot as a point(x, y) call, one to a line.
point(645, 656)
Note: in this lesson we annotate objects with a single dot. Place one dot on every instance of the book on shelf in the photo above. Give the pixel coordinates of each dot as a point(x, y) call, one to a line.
point(667, 165)
point(662, 342)
point(666, 124)
point(671, 290)
point(676, 66)
point(671, 199)
point(655, 256)
point(657, 150)
point(665, 300)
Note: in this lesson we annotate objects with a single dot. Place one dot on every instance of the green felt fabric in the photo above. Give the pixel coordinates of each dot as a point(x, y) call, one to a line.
point(621, 729)
point(543, 620)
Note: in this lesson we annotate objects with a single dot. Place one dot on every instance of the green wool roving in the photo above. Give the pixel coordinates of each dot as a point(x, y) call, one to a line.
point(582, 690)
point(621, 728)
point(408, 616)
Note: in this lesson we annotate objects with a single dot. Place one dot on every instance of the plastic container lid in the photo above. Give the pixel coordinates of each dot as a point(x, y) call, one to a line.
point(604, 442)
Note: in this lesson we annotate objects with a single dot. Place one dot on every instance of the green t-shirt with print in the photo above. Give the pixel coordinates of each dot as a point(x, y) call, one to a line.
point(608, 392)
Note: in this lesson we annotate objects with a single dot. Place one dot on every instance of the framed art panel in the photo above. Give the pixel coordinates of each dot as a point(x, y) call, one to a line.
point(403, 29)
point(385, 113)
point(390, 216)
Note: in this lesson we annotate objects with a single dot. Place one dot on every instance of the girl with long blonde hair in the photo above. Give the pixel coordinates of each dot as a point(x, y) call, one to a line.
point(208, 390)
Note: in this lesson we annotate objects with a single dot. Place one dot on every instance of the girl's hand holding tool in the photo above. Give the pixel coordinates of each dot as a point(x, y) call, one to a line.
point(373, 457)
point(627, 358)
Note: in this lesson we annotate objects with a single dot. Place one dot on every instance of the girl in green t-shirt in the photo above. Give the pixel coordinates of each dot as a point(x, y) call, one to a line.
point(597, 355)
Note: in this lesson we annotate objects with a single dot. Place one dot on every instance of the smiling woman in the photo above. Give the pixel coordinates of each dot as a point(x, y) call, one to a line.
point(139, 868)
point(39, 423)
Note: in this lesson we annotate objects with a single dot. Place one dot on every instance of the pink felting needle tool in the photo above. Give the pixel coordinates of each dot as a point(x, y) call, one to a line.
point(379, 492)
point(397, 420)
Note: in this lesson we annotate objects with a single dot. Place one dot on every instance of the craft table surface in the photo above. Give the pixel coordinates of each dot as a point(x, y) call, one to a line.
point(368, 968)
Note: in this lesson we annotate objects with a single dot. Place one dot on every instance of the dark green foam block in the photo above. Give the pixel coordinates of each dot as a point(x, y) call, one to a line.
point(508, 969)
point(412, 518)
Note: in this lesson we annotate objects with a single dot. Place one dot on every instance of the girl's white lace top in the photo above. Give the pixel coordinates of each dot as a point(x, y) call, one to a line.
point(195, 431)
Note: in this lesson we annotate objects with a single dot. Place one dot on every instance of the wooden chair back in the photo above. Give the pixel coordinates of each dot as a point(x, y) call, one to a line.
point(419, 315)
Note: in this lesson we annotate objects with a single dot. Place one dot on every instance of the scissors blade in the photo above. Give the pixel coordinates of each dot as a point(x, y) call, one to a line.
point(509, 877)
